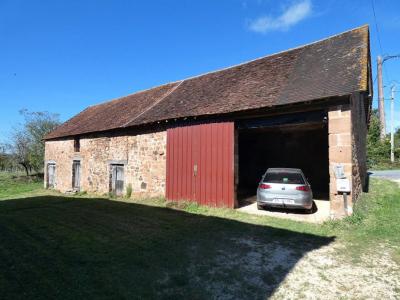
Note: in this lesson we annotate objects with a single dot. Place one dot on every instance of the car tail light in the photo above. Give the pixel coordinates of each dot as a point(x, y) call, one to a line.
point(264, 186)
point(303, 188)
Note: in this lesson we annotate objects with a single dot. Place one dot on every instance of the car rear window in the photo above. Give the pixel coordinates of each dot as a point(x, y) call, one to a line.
point(284, 177)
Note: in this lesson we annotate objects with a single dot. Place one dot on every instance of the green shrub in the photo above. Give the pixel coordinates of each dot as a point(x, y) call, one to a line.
point(378, 151)
point(81, 193)
point(129, 191)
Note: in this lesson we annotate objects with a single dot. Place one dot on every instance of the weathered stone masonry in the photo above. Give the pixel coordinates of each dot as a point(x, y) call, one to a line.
point(143, 156)
point(347, 144)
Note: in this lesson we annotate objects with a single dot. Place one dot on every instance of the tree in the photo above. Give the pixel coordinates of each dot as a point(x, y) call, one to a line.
point(4, 158)
point(397, 143)
point(21, 145)
point(378, 150)
point(28, 144)
point(7, 161)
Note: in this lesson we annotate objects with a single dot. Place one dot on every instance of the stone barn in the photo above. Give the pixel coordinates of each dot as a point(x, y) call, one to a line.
point(210, 138)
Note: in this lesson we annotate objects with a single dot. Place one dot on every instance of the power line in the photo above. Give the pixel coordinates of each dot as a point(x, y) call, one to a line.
point(376, 26)
point(379, 37)
point(386, 72)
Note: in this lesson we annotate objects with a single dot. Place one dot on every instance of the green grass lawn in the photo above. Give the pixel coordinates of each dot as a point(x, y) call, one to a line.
point(12, 185)
point(375, 220)
point(70, 247)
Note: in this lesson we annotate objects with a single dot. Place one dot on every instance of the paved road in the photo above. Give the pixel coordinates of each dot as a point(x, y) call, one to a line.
point(387, 174)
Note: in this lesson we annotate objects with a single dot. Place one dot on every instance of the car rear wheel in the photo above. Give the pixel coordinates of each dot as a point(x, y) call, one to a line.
point(259, 207)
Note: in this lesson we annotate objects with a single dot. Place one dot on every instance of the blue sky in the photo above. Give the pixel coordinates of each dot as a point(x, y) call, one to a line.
point(62, 56)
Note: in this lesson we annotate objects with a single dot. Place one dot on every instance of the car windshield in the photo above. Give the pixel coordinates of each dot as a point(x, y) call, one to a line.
point(284, 177)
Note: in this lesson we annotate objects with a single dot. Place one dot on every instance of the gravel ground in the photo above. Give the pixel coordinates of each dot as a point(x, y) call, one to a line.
point(323, 274)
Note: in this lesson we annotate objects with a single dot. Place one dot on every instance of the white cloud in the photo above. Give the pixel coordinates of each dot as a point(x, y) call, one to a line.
point(291, 16)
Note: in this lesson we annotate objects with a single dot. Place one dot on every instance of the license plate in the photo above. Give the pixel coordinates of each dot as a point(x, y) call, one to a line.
point(283, 201)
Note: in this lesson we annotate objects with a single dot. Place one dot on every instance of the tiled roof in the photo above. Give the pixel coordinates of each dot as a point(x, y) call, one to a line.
point(335, 66)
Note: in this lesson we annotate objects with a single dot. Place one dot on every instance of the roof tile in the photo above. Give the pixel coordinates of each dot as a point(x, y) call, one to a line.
point(335, 66)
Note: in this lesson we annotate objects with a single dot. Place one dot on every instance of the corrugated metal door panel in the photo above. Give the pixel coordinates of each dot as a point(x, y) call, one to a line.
point(200, 162)
point(220, 157)
point(214, 164)
point(183, 163)
point(196, 154)
point(210, 167)
point(180, 164)
point(231, 164)
point(175, 159)
point(225, 168)
point(168, 172)
point(189, 165)
point(204, 171)
point(178, 154)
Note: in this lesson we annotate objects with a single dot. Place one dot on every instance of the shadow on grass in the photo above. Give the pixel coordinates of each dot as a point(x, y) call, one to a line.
point(70, 248)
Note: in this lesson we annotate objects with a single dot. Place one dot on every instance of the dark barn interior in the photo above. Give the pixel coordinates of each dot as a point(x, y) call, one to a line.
point(302, 145)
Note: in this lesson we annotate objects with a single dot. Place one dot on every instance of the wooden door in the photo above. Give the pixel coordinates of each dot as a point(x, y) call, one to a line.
point(76, 175)
point(200, 164)
point(51, 175)
point(117, 179)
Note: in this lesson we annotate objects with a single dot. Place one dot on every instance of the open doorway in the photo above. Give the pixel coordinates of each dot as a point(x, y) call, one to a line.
point(303, 146)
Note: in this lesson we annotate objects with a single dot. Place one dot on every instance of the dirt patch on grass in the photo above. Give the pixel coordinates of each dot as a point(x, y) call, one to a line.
point(239, 268)
point(254, 268)
point(324, 273)
point(276, 271)
point(246, 269)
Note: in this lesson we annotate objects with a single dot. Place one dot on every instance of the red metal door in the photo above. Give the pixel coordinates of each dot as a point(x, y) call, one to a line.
point(200, 164)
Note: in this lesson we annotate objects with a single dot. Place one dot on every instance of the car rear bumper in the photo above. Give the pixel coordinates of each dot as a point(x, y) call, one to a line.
point(291, 206)
point(306, 203)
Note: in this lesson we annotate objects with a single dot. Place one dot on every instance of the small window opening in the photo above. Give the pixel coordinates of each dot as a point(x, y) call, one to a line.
point(77, 145)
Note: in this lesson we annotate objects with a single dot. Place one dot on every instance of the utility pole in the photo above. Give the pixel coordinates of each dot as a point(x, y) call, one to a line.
point(381, 97)
point(391, 123)
point(381, 103)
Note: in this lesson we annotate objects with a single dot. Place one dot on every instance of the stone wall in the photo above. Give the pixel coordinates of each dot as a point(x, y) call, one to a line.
point(148, 164)
point(60, 152)
point(347, 146)
point(340, 152)
point(359, 117)
point(143, 156)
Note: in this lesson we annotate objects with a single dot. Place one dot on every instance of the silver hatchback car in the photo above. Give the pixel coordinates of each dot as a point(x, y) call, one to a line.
point(284, 188)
